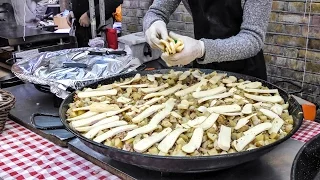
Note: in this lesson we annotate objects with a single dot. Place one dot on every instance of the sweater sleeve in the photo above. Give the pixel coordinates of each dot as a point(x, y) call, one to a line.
point(248, 42)
point(159, 10)
point(110, 7)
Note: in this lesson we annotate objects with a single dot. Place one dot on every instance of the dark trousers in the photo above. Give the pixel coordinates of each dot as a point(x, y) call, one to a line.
point(83, 35)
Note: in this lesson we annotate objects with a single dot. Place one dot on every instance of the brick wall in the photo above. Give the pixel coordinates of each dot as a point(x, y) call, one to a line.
point(133, 12)
point(285, 46)
point(286, 42)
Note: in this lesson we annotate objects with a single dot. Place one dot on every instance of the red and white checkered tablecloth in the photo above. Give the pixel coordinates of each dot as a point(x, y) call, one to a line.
point(308, 130)
point(26, 155)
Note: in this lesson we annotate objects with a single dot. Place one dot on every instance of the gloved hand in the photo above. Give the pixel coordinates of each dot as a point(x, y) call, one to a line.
point(84, 20)
point(193, 49)
point(157, 31)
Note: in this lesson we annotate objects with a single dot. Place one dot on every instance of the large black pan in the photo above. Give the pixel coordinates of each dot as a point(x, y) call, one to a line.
point(306, 164)
point(184, 164)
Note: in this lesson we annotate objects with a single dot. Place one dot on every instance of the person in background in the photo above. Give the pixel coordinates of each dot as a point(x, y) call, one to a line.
point(229, 34)
point(81, 14)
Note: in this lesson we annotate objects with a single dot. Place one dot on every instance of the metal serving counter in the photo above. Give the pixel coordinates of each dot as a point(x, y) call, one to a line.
point(12, 35)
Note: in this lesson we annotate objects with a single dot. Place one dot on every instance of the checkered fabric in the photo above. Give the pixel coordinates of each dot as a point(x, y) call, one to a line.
point(308, 130)
point(26, 155)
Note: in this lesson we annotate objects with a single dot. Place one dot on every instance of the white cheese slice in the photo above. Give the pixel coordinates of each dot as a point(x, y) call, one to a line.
point(136, 78)
point(184, 75)
point(215, 79)
point(150, 102)
point(285, 106)
point(195, 141)
point(247, 109)
point(276, 125)
point(185, 126)
point(151, 77)
point(218, 96)
point(142, 130)
point(237, 84)
point(111, 92)
point(251, 85)
point(101, 108)
point(262, 91)
point(259, 105)
point(154, 89)
point(165, 92)
point(88, 121)
point(210, 92)
point(135, 86)
point(87, 108)
point(95, 130)
point(243, 141)
point(169, 105)
point(83, 116)
point(224, 138)
point(229, 80)
point(202, 109)
point(146, 143)
point(232, 114)
point(157, 75)
point(114, 132)
point(83, 128)
point(196, 74)
point(167, 143)
point(232, 90)
point(258, 128)
point(104, 87)
point(237, 97)
point(277, 108)
point(209, 122)
point(269, 113)
point(184, 104)
point(131, 113)
point(191, 89)
point(214, 102)
point(197, 121)
point(176, 115)
point(112, 113)
point(122, 99)
point(225, 108)
point(272, 99)
point(148, 112)
point(106, 121)
point(243, 121)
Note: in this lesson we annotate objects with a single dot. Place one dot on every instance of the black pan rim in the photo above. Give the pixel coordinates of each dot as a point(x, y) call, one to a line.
point(223, 156)
point(296, 158)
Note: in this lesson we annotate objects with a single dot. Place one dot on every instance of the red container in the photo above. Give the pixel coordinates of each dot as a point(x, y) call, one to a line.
point(112, 38)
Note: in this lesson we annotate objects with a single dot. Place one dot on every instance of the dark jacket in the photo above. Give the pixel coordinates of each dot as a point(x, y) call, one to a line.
point(81, 6)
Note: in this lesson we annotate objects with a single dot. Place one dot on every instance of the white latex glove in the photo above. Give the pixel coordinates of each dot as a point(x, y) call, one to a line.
point(157, 30)
point(193, 49)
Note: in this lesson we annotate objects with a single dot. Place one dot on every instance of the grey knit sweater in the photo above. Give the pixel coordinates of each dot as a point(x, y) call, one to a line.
point(247, 43)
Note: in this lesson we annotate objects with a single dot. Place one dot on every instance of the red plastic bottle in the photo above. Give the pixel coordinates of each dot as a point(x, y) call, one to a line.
point(112, 38)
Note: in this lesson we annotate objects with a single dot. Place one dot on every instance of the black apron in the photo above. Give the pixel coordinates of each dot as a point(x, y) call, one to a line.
point(221, 19)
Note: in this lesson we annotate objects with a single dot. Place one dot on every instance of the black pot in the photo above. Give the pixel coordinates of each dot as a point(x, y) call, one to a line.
point(306, 164)
point(184, 164)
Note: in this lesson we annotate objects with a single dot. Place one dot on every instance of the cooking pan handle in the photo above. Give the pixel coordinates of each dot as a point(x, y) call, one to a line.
point(32, 119)
point(301, 89)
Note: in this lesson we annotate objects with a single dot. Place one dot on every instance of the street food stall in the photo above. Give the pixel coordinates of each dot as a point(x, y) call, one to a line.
point(121, 112)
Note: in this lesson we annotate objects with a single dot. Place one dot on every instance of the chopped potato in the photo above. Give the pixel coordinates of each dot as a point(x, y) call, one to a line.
point(149, 106)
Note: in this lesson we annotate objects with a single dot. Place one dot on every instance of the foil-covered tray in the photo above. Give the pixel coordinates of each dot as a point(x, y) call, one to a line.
point(49, 68)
